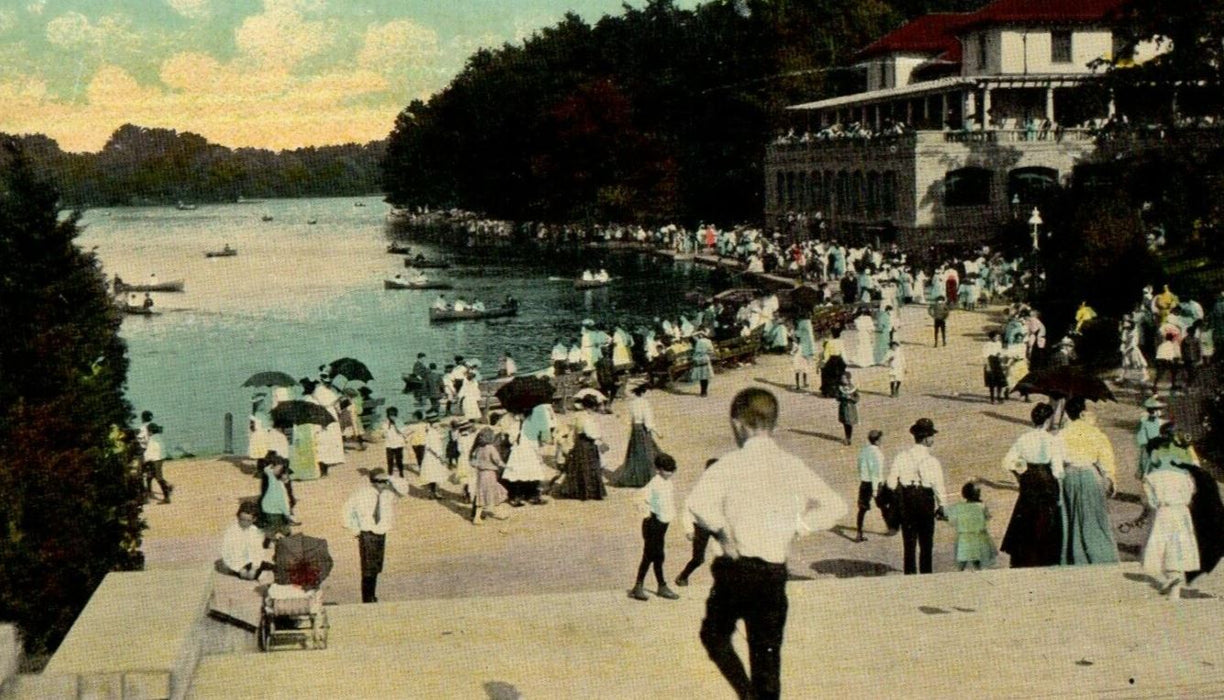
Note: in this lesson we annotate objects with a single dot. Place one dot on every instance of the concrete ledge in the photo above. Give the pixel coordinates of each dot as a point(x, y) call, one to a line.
point(1087, 631)
point(139, 636)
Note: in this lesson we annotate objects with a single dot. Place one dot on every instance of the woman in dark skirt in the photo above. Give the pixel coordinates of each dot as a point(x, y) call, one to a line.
point(583, 470)
point(993, 369)
point(1034, 534)
point(638, 468)
point(847, 405)
point(833, 368)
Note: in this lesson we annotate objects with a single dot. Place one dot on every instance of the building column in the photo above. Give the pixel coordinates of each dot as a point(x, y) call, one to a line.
point(1049, 106)
point(1112, 108)
point(968, 106)
point(877, 117)
point(926, 110)
point(943, 110)
point(985, 108)
point(909, 111)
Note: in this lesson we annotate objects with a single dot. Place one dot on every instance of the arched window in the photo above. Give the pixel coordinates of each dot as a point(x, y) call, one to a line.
point(779, 188)
point(802, 203)
point(888, 193)
point(790, 190)
point(858, 191)
point(843, 193)
point(967, 187)
point(873, 194)
point(830, 191)
point(1031, 185)
point(815, 196)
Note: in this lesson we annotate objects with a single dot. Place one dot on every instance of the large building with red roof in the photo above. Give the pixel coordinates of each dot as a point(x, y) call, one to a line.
point(966, 117)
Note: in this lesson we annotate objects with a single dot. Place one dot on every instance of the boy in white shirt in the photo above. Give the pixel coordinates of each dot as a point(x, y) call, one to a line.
point(657, 500)
point(393, 441)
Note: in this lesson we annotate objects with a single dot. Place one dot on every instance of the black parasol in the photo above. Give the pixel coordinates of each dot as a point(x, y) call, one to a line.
point(522, 394)
point(271, 378)
point(804, 299)
point(298, 412)
point(350, 369)
point(301, 560)
point(1063, 383)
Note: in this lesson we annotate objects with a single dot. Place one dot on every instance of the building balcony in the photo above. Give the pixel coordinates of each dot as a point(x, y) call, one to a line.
point(895, 143)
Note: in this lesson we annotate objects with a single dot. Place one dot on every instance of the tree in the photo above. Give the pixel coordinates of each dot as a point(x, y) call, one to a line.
point(69, 500)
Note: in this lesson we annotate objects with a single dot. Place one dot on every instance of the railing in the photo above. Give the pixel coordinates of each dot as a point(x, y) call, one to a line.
point(892, 142)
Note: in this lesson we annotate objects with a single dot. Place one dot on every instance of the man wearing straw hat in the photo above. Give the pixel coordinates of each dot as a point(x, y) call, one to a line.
point(370, 514)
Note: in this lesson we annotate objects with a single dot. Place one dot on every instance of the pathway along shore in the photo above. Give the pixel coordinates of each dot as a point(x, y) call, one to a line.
point(572, 546)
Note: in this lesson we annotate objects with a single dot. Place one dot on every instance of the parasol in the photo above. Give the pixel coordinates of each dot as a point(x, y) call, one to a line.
point(804, 299)
point(271, 378)
point(298, 412)
point(350, 369)
point(301, 560)
point(1063, 383)
point(522, 394)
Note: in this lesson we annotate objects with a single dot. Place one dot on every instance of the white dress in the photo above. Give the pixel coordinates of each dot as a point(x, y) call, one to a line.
point(469, 396)
point(524, 463)
point(257, 438)
point(331, 440)
point(864, 329)
point(433, 469)
point(1171, 546)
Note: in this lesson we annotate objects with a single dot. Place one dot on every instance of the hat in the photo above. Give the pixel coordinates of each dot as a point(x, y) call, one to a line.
point(1153, 403)
point(923, 428)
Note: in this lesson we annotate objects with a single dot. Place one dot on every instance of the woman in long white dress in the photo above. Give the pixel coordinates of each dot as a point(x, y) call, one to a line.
point(469, 397)
point(258, 426)
point(331, 439)
point(433, 463)
point(864, 327)
point(525, 470)
point(1171, 549)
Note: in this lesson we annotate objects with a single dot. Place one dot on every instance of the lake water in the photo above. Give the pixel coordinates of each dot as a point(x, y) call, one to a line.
point(298, 295)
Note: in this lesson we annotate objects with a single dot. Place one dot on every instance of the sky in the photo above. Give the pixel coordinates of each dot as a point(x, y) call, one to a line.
point(265, 73)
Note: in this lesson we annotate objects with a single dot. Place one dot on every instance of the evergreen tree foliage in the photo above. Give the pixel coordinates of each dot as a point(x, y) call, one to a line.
point(69, 500)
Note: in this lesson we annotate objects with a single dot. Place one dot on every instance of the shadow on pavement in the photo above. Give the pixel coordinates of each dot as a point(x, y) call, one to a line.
point(1007, 419)
point(851, 568)
point(839, 439)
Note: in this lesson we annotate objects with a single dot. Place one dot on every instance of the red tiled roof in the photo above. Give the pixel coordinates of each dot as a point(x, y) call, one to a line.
point(930, 34)
point(937, 33)
point(1044, 12)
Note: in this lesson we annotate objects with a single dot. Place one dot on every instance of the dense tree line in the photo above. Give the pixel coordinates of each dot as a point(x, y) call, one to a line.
point(140, 165)
point(657, 114)
point(70, 501)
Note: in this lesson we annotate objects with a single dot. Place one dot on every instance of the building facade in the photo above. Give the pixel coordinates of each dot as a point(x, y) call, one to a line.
point(966, 119)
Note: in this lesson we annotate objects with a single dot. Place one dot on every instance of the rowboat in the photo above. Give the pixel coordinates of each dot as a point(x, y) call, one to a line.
point(137, 310)
point(171, 286)
point(226, 253)
point(426, 264)
point(590, 284)
point(399, 249)
point(438, 315)
point(405, 284)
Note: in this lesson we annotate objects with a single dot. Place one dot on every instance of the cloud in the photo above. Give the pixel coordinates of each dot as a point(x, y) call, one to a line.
point(398, 46)
point(192, 9)
point(74, 31)
point(281, 37)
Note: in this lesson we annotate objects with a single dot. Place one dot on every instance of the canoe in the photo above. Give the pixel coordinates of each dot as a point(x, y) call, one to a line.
point(426, 264)
point(399, 249)
point(590, 284)
point(405, 284)
point(221, 253)
point(137, 310)
point(171, 286)
point(438, 315)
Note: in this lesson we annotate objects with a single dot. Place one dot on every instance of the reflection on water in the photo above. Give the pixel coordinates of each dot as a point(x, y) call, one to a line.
point(299, 295)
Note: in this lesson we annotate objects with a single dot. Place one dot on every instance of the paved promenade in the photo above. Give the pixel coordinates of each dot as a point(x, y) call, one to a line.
point(536, 601)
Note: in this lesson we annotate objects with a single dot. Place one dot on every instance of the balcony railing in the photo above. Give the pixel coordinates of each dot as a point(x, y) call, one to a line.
point(893, 142)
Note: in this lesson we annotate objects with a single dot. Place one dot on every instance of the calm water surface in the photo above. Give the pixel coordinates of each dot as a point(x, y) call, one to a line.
point(300, 295)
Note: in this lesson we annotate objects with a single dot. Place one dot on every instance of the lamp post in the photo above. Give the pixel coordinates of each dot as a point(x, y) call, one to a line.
point(1035, 221)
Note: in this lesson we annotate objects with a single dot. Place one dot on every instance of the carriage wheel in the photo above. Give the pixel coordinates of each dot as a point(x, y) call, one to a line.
point(265, 633)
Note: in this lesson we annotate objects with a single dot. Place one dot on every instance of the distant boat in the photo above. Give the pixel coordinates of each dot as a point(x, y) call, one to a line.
point(359, 204)
point(171, 286)
point(437, 315)
point(185, 207)
point(405, 284)
point(226, 252)
point(590, 284)
point(426, 264)
point(137, 310)
point(312, 221)
point(266, 217)
point(398, 215)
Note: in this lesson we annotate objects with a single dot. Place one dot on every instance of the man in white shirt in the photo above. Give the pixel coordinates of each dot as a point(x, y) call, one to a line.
point(754, 501)
point(369, 514)
point(440, 303)
point(918, 479)
point(242, 551)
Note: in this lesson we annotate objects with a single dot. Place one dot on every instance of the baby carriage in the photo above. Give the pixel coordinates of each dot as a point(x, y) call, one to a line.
point(293, 615)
